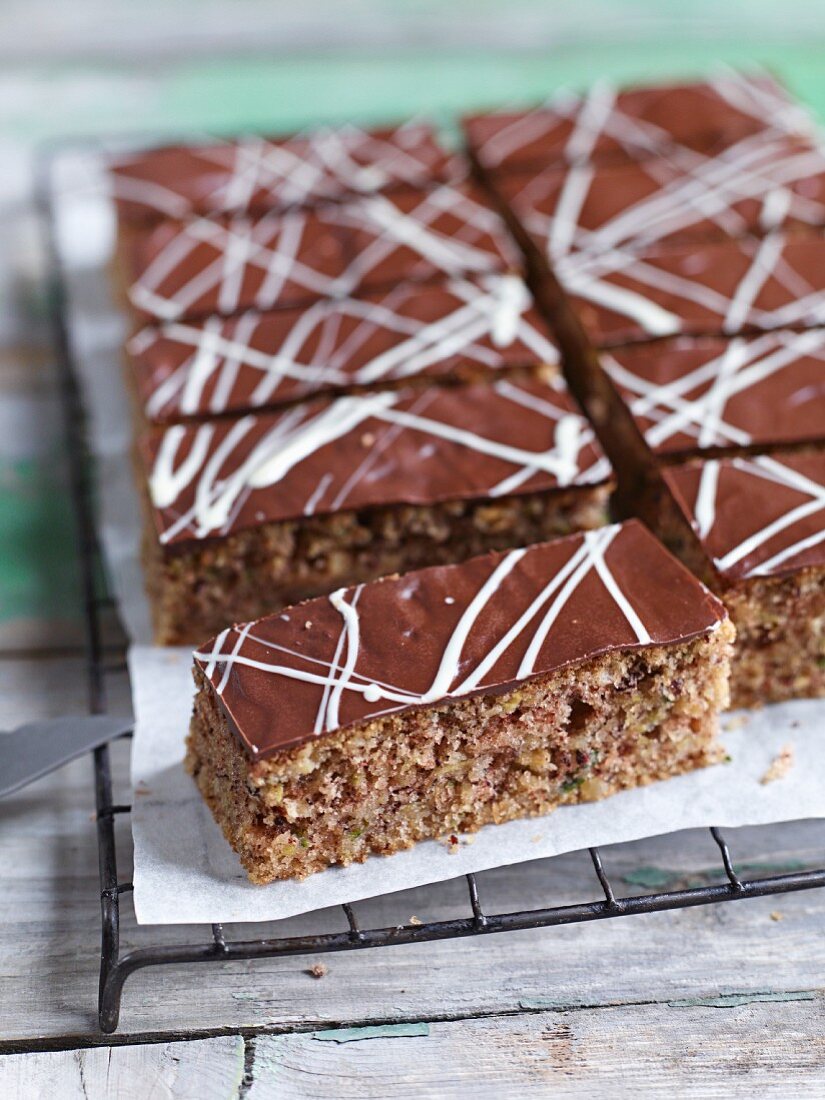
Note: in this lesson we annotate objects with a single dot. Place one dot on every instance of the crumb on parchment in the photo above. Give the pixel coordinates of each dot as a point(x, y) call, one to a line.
point(318, 970)
point(780, 765)
point(415, 920)
point(736, 722)
point(776, 915)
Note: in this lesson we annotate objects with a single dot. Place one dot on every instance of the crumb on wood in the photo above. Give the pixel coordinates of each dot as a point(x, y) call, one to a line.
point(318, 970)
point(776, 915)
point(415, 920)
point(780, 765)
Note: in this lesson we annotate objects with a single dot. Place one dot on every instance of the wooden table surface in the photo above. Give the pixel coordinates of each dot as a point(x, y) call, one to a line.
point(723, 1000)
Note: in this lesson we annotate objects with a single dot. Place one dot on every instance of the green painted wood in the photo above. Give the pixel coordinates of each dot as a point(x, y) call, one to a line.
point(254, 94)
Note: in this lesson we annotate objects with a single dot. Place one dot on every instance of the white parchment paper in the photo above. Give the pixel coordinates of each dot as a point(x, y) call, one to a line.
point(184, 872)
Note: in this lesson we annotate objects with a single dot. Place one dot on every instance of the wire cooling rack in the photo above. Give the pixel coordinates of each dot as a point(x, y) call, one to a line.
point(102, 661)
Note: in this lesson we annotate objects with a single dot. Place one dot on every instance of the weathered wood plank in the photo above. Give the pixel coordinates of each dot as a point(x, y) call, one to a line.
point(49, 925)
point(207, 1069)
point(769, 1048)
point(374, 25)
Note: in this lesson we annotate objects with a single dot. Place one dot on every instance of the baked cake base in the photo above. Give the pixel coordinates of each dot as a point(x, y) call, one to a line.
point(780, 638)
point(579, 734)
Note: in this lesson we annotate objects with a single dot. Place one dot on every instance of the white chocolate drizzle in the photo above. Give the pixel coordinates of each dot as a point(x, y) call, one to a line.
point(490, 311)
point(771, 260)
point(451, 678)
point(219, 484)
point(327, 163)
point(682, 200)
point(268, 250)
point(695, 404)
point(773, 470)
point(602, 111)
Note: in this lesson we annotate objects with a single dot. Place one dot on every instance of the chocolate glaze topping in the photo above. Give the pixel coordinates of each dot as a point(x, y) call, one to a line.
point(760, 516)
point(196, 369)
point(665, 120)
point(450, 631)
point(724, 287)
point(192, 269)
point(759, 184)
point(693, 394)
point(253, 174)
point(391, 447)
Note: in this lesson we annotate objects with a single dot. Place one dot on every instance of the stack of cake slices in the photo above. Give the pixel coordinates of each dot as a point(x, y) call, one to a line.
point(412, 388)
point(338, 372)
point(677, 236)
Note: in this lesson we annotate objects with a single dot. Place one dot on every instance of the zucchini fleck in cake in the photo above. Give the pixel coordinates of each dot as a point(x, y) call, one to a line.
point(246, 515)
point(454, 697)
point(671, 121)
point(753, 527)
point(460, 330)
point(253, 175)
point(176, 270)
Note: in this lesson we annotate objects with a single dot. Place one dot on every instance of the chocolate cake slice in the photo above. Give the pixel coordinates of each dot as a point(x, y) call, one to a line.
point(253, 175)
point(696, 396)
point(625, 295)
point(247, 514)
point(460, 330)
point(755, 186)
point(456, 697)
point(673, 121)
point(177, 270)
point(753, 527)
